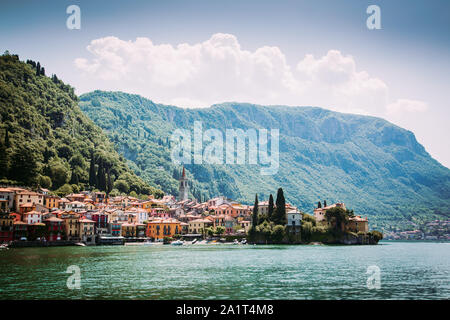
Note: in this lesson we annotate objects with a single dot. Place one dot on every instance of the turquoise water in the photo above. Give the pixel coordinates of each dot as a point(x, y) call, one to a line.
point(408, 270)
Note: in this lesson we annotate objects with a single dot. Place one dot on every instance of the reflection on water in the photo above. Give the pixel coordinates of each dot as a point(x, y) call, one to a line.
point(415, 270)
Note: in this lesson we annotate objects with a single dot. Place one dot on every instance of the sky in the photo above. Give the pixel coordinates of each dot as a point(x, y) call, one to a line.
point(195, 53)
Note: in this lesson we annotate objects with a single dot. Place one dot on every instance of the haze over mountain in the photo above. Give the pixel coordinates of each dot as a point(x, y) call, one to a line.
point(378, 169)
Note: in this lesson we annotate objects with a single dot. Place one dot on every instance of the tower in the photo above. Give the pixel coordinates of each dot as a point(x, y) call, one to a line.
point(184, 189)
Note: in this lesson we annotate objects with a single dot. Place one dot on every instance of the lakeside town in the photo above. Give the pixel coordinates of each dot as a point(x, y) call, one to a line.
point(436, 230)
point(88, 218)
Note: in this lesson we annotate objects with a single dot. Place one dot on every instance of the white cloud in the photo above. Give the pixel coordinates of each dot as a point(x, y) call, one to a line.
point(219, 70)
point(405, 105)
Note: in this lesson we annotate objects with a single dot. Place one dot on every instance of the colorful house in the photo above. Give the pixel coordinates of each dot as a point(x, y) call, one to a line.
point(51, 202)
point(55, 229)
point(115, 228)
point(158, 229)
point(357, 224)
point(27, 197)
point(20, 230)
point(198, 226)
point(71, 225)
point(32, 217)
point(87, 234)
point(6, 228)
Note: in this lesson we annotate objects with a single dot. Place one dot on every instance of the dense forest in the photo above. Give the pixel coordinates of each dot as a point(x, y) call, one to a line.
point(375, 167)
point(46, 141)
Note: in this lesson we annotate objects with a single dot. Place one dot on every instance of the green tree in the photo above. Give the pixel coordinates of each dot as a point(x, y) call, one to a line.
point(38, 69)
point(101, 178)
point(109, 184)
point(64, 190)
point(220, 230)
point(280, 211)
point(45, 182)
point(278, 233)
point(307, 229)
point(59, 172)
point(210, 231)
point(319, 205)
point(24, 165)
point(7, 142)
point(92, 175)
point(3, 161)
point(271, 208)
point(337, 218)
point(122, 186)
point(255, 212)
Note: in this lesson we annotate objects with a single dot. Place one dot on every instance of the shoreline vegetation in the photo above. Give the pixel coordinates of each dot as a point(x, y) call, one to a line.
point(272, 228)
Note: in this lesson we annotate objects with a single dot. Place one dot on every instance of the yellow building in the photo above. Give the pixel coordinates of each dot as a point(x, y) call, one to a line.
point(51, 202)
point(128, 230)
point(158, 229)
point(198, 226)
point(87, 234)
point(72, 225)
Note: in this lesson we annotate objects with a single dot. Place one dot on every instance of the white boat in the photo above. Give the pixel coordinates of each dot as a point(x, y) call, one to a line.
point(4, 247)
point(236, 241)
point(177, 243)
point(80, 244)
point(194, 241)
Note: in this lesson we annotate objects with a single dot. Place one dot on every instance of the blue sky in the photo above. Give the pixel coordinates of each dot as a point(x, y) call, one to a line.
point(400, 72)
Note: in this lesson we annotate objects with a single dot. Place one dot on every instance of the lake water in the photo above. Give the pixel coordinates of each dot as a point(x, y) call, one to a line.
point(408, 270)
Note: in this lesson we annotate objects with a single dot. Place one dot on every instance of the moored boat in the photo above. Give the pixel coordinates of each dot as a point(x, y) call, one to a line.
point(177, 243)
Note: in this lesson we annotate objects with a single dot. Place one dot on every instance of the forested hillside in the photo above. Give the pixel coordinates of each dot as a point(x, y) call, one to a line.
point(45, 139)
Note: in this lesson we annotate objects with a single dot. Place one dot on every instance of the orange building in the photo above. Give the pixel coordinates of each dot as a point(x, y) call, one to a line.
point(158, 229)
point(51, 202)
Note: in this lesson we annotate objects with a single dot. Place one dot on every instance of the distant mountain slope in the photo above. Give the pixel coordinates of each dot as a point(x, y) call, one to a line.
point(45, 139)
point(375, 167)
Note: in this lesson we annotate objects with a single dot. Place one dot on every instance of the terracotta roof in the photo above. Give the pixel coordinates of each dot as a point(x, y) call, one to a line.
point(32, 212)
point(27, 205)
point(54, 219)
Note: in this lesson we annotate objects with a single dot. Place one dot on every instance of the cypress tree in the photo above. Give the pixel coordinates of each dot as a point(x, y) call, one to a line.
point(319, 205)
point(271, 207)
point(255, 212)
point(324, 203)
point(24, 168)
point(109, 184)
point(3, 161)
point(38, 69)
point(7, 143)
point(101, 178)
point(280, 211)
point(92, 176)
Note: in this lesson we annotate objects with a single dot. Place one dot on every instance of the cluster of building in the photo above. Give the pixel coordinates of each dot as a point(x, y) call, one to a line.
point(92, 217)
point(432, 230)
point(355, 224)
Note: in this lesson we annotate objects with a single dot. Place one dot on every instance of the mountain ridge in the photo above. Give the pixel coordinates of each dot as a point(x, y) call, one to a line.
point(376, 167)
